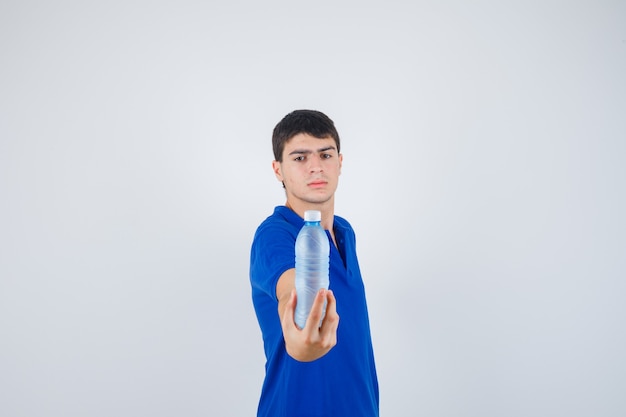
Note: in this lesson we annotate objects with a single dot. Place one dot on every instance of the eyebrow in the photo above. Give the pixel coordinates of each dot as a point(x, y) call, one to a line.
point(307, 151)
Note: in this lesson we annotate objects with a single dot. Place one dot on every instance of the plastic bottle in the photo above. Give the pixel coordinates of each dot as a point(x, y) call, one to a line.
point(312, 260)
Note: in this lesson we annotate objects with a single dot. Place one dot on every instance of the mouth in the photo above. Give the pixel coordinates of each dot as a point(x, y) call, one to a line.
point(317, 184)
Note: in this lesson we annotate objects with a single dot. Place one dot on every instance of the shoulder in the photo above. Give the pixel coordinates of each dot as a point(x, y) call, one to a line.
point(279, 220)
point(279, 226)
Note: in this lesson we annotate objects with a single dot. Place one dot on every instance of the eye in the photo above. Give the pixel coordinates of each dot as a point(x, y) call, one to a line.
point(326, 156)
point(299, 158)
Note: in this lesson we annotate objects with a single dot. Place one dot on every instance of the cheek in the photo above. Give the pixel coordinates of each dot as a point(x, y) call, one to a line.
point(289, 175)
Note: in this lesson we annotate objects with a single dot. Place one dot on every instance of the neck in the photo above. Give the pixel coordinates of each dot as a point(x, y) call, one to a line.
point(327, 209)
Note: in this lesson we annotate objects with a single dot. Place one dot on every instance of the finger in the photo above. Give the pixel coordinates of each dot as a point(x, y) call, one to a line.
point(331, 301)
point(328, 330)
point(315, 315)
point(331, 320)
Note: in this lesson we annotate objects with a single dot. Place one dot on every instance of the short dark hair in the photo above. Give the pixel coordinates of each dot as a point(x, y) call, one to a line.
point(311, 122)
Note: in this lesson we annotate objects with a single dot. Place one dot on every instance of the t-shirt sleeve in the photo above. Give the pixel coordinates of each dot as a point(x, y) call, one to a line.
point(272, 254)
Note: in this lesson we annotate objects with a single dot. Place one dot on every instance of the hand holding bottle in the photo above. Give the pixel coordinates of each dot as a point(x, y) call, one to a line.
point(313, 341)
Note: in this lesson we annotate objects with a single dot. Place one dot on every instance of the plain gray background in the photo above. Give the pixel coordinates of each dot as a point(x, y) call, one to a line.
point(484, 146)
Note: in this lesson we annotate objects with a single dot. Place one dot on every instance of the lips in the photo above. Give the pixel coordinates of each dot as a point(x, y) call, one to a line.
point(317, 183)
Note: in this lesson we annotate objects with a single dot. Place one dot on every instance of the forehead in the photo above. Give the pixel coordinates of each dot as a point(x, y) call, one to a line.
point(304, 141)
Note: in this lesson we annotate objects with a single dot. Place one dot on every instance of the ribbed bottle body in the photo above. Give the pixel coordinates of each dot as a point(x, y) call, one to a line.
point(312, 262)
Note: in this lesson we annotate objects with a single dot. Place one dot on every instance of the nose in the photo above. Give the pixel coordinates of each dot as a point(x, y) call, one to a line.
point(315, 164)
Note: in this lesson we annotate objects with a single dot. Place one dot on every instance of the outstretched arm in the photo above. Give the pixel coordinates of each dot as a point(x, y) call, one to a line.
point(312, 342)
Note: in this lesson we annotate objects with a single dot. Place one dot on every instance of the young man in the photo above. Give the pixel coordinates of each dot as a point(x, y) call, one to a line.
point(325, 370)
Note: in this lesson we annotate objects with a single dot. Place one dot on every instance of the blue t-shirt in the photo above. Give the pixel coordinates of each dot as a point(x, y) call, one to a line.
point(341, 383)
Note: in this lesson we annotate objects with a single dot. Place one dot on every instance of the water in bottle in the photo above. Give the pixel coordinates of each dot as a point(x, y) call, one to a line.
point(312, 259)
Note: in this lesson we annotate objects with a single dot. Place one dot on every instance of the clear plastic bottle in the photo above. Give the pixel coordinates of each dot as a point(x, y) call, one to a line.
point(312, 260)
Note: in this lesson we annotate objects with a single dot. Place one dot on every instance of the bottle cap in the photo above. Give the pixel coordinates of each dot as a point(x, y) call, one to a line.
point(312, 216)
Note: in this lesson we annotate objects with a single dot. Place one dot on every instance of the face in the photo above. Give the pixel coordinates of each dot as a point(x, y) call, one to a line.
point(310, 169)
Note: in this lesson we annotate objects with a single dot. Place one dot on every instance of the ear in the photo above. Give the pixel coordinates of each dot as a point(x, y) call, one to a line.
point(340, 162)
point(277, 171)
